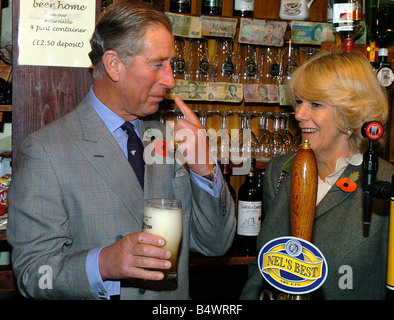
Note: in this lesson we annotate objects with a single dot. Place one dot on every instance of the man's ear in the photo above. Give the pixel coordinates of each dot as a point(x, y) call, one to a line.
point(112, 64)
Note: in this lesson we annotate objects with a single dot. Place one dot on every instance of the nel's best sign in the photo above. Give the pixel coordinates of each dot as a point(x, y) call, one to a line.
point(56, 33)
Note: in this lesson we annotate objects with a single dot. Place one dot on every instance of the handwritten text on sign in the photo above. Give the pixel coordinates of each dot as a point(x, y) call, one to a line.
point(56, 33)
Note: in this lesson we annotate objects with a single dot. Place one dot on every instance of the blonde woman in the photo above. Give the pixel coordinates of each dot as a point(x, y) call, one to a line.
point(333, 95)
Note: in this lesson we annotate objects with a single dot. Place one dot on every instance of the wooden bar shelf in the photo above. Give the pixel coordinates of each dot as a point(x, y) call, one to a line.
point(198, 260)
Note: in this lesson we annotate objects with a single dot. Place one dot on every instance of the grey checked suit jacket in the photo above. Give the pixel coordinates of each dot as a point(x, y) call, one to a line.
point(73, 190)
point(337, 232)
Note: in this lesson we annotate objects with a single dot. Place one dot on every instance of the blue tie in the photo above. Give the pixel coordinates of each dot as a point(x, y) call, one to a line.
point(135, 151)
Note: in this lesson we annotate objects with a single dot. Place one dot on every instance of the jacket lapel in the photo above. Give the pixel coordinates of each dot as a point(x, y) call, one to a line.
point(102, 151)
point(158, 172)
point(335, 195)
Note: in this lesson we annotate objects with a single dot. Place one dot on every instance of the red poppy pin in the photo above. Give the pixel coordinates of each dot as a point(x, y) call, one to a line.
point(161, 147)
point(348, 184)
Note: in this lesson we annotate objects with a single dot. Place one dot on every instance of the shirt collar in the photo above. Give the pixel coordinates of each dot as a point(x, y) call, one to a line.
point(110, 118)
point(355, 160)
point(342, 163)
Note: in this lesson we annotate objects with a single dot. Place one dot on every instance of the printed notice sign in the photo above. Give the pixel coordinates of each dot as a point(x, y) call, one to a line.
point(56, 32)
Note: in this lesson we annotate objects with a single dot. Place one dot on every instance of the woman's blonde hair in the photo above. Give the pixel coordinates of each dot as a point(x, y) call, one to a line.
point(346, 81)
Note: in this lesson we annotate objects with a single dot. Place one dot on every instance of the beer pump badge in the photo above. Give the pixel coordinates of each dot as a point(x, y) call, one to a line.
point(292, 265)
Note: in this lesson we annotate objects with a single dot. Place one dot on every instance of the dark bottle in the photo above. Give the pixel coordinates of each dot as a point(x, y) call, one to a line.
point(380, 22)
point(180, 6)
point(250, 208)
point(211, 7)
point(380, 27)
point(243, 8)
point(226, 174)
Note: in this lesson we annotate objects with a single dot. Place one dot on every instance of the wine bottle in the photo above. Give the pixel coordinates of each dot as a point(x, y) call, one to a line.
point(226, 175)
point(211, 7)
point(380, 24)
point(346, 17)
point(180, 6)
point(243, 8)
point(380, 27)
point(250, 205)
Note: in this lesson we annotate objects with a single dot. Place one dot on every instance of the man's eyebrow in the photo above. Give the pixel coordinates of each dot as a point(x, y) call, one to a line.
point(160, 59)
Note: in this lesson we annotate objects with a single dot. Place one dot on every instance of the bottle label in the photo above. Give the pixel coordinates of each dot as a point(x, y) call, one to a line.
point(274, 69)
point(247, 5)
point(249, 218)
point(348, 45)
point(385, 76)
point(250, 68)
point(227, 68)
point(344, 14)
point(204, 66)
point(290, 68)
point(179, 65)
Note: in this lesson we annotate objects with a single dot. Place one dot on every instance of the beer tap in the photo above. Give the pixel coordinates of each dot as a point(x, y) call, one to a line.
point(373, 131)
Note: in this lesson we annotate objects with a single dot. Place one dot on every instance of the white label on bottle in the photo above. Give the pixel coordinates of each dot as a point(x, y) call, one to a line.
point(249, 218)
point(247, 5)
point(385, 76)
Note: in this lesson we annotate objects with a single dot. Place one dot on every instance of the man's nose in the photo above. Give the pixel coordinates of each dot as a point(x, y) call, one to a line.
point(168, 77)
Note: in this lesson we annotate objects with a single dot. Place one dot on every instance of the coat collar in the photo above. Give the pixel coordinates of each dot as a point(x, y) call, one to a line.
point(335, 195)
point(100, 148)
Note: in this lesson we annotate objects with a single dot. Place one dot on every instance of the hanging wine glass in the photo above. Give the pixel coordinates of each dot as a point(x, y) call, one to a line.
point(262, 136)
point(285, 133)
point(288, 132)
point(275, 140)
point(265, 145)
point(246, 64)
point(244, 144)
point(223, 63)
point(270, 63)
point(223, 137)
point(198, 66)
point(297, 139)
point(203, 114)
point(170, 115)
point(309, 52)
point(179, 62)
point(162, 115)
point(179, 114)
point(290, 60)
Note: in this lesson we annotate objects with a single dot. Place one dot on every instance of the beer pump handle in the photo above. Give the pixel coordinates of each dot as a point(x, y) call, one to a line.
point(303, 192)
point(373, 131)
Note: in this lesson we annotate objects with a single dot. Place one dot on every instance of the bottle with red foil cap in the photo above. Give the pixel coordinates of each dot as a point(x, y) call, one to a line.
point(346, 18)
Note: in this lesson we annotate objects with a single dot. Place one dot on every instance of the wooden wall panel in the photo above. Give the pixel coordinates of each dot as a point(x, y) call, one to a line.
point(42, 94)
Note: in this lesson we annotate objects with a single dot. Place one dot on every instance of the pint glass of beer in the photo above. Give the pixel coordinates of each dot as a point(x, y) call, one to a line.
point(163, 217)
